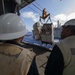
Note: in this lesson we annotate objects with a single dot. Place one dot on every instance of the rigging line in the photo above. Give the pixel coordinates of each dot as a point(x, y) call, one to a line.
point(36, 7)
point(39, 5)
point(34, 10)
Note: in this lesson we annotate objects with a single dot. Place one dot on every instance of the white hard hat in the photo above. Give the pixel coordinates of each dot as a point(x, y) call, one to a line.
point(11, 27)
point(70, 23)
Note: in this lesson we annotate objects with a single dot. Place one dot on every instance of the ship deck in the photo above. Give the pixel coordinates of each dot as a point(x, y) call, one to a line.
point(42, 55)
point(41, 50)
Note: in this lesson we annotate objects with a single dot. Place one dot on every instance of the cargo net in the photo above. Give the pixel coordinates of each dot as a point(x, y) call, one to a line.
point(46, 29)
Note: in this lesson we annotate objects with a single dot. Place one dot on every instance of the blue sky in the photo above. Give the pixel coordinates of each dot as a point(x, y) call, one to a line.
point(59, 10)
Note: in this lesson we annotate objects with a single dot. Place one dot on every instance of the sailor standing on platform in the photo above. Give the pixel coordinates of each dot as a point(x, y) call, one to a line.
point(15, 59)
point(62, 57)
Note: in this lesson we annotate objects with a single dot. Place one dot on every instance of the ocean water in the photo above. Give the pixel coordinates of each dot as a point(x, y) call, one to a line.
point(28, 38)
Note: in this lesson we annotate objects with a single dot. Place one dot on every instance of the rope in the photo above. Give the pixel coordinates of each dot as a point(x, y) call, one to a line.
point(34, 10)
point(39, 5)
point(36, 7)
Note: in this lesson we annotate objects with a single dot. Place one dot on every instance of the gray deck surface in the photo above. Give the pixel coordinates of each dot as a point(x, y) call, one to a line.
point(41, 56)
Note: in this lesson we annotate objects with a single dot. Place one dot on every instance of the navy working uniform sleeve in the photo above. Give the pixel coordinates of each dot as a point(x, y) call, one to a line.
point(33, 68)
point(55, 64)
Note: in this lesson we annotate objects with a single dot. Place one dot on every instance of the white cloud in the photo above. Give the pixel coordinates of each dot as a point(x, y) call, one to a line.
point(60, 17)
point(31, 15)
point(71, 16)
point(63, 18)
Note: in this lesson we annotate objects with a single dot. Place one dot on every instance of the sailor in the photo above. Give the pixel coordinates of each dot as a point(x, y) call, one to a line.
point(62, 58)
point(15, 59)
